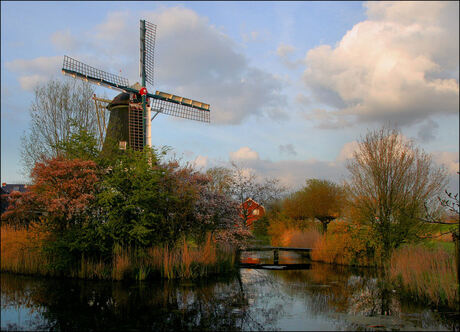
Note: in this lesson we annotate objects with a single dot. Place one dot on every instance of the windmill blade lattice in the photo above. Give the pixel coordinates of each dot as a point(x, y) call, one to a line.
point(179, 110)
point(150, 36)
point(83, 71)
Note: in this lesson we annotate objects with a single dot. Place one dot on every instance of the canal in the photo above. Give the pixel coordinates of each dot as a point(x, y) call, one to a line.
point(322, 297)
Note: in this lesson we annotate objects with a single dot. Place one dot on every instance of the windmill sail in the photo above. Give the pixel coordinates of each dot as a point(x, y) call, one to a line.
point(149, 50)
point(85, 72)
point(129, 122)
point(179, 106)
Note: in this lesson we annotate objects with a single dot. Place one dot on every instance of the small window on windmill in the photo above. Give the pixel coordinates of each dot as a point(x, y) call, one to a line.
point(122, 145)
point(255, 212)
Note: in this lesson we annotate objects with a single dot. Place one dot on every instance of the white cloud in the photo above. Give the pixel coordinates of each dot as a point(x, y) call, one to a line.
point(450, 160)
point(347, 151)
point(64, 40)
point(400, 65)
point(284, 52)
point(34, 71)
point(244, 153)
point(192, 58)
point(197, 60)
point(29, 82)
point(200, 162)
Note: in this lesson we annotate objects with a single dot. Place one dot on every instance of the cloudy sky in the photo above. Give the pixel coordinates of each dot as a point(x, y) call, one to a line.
point(292, 85)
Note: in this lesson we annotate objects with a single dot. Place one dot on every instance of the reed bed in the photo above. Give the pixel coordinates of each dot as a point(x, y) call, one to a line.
point(428, 274)
point(21, 252)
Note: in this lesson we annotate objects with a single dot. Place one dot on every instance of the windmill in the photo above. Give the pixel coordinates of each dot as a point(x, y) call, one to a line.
point(130, 111)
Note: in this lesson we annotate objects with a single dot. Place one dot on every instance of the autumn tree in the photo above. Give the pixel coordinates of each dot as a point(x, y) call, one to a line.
point(319, 199)
point(390, 182)
point(58, 104)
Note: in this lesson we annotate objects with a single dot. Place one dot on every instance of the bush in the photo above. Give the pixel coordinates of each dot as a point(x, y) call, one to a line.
point(348, 244)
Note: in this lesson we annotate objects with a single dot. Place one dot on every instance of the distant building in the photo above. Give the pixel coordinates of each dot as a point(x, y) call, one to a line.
point(8, 189)
point(251, 211)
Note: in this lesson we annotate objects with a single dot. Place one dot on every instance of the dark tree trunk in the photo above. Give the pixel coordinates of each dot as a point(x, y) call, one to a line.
point(325, 223)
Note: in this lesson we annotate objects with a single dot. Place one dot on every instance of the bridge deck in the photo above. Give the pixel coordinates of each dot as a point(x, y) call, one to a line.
point(301, 266)
point(276, 264)
point(277, 248)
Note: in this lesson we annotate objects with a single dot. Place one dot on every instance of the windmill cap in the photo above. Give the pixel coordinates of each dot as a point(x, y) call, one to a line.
point(120, 99)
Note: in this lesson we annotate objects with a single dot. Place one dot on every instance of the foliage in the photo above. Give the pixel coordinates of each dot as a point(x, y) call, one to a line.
point(319, 199)
point(81, 144)
point(62, 190)
point(219, 179)
point(391, 180)
point(348, 244)
point(146, 202)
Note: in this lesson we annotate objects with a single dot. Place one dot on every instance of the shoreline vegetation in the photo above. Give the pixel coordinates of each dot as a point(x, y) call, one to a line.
point(424, 271)
point(22, 253)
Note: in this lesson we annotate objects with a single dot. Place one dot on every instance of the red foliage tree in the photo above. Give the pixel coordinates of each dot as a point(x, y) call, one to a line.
point(62, 191)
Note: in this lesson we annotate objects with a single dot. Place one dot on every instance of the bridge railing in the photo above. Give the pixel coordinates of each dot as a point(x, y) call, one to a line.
point(276, 251)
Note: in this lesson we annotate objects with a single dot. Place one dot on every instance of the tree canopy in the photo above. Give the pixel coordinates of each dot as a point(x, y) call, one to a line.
point(391, 180)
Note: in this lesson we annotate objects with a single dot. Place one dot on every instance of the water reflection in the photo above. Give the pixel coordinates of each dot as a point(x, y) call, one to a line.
point(321, 298)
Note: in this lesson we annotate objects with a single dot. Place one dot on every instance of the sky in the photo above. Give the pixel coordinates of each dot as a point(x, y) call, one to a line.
point(292, 85)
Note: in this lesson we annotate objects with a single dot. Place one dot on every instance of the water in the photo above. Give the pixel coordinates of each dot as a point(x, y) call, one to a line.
point(321, 298)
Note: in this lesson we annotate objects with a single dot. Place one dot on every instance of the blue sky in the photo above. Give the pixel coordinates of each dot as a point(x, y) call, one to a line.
point(292, 85)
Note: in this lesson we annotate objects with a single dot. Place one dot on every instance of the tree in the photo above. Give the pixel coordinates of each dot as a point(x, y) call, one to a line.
point(219, 179)
point(57, 106)
point(391, 179)
point(245, 184)
point(322, 200)
point(451, 204)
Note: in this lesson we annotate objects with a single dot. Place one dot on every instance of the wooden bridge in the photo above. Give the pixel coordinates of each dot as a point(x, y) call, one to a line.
point(276, 266)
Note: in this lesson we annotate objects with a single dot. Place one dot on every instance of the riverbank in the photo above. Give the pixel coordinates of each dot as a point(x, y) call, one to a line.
point(22, 253)
point(325, 297)
point(426, 271)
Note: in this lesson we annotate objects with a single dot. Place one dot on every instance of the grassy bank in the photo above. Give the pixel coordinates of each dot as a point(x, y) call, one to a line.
point(428, 274)
point(425, 271)
point(22, 252)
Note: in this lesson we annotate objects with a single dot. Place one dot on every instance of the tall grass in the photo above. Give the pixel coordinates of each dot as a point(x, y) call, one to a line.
point(21, 252)
point(426, 273)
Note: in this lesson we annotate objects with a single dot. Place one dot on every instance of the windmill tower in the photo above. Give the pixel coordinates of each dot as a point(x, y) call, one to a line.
point(130, 111)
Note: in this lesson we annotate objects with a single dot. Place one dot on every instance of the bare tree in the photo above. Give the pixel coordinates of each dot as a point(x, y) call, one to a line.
point(244, 184)
point(219, 179)
point(58, 108)
point(391, 180)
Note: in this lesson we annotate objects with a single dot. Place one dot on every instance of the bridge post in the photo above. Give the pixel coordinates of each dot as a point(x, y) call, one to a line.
point(275, 257)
